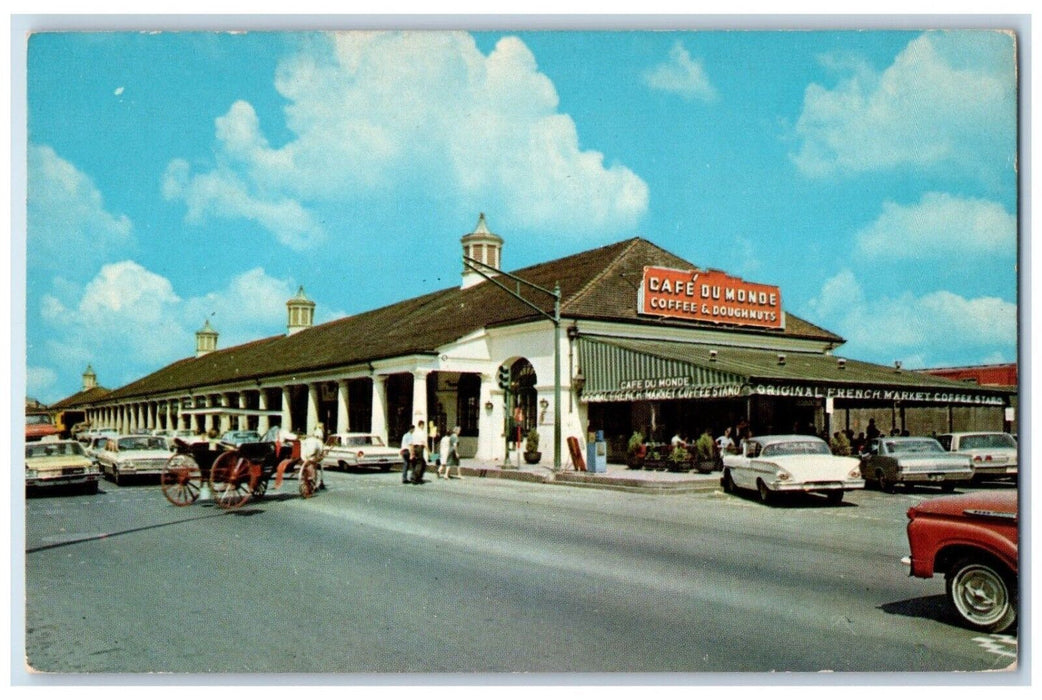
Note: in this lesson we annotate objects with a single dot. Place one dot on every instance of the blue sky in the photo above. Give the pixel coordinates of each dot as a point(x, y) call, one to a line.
point(182, 176)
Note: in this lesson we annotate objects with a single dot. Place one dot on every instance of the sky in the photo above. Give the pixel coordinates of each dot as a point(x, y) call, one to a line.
point(180, 177)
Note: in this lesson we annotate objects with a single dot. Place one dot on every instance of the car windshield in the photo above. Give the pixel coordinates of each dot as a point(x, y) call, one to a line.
point(795, 447)
point(913, 446)
point(241, 437)
point(988, 441)
point(361, 441)
point(141, 442)
point(53, 449)
point(37, 420)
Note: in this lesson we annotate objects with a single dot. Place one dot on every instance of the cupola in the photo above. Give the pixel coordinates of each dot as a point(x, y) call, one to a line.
point(485, 247)
point(90, 380)
point(301, 311)
point(205, 339)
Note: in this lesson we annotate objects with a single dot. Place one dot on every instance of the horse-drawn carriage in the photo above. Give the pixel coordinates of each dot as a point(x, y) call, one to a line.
point(235, 475)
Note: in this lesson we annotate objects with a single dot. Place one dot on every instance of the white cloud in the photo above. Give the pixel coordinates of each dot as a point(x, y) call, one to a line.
point(39, 381)
point(128, 320)
point(938, 225)
point(681, 75)
point(374, 113)
point(888, 328)
point(66, 219)
point(948, 99)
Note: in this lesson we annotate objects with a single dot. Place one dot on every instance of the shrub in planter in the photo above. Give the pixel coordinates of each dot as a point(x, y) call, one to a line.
point(532, 453)
point(679, 459)
point(636, 450)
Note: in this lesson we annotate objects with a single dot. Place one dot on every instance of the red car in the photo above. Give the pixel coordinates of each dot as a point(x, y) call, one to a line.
point(972, 540)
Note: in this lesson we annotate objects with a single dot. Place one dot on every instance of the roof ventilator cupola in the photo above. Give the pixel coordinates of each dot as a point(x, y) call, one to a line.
point(485, 247)
point(781, 359)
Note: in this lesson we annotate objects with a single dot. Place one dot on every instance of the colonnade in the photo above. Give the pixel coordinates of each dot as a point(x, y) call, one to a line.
point(263, 406)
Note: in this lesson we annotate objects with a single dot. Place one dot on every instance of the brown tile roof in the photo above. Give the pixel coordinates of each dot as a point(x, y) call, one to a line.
point(81, 398)
point(596, 284)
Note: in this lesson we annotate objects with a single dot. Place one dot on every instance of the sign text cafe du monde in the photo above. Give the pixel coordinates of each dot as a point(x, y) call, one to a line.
point(714, 296)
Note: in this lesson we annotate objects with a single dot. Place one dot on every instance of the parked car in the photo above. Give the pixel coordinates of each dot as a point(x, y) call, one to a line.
point(776, 464)
point(132, 455)
point(353, 450)
point(38, 426)
point(971, 539)
point(994, 455)
point(95, 444)
point(54, 463)
point(913, 461)
point(234, 438)
point(188, 436)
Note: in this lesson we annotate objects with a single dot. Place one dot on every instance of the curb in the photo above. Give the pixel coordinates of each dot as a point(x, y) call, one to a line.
point(597, 481)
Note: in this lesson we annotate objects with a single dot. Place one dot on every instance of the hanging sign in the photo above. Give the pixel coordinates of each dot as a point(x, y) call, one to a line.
point(713, 296)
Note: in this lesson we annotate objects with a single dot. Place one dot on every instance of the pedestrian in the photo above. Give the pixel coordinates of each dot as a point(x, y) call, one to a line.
point(872, 432)
point(443, 457)
point(406, 453)
point(419, 445)
point(724, 443)
point(452, 460)
point(839, 444)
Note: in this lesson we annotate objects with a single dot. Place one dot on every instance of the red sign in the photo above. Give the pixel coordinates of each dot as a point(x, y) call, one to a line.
point(713, 296)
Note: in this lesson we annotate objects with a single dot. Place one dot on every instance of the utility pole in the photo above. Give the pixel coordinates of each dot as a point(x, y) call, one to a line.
point(555, 318)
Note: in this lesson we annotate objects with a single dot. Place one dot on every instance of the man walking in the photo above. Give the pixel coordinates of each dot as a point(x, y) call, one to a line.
point(419, 444)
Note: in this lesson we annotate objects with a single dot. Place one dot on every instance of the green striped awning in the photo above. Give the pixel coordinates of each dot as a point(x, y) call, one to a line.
point(629, 369)
point(622, 372)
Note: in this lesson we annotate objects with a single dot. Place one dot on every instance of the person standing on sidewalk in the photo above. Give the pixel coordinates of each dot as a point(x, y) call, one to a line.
point(419, 445)
point(406, 453)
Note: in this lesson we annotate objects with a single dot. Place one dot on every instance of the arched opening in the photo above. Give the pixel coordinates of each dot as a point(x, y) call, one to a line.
point(523, 395)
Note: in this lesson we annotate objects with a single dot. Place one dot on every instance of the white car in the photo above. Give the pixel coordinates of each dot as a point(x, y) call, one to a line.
point(994, 455)
point(775, 464)
point(355, 450)
point(133, 455)
point(53, 463)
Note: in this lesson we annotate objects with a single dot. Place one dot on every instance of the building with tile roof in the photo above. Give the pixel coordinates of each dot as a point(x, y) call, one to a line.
point(714, 350)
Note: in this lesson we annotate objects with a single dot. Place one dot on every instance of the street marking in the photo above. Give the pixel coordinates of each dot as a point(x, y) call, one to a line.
point(998, 644)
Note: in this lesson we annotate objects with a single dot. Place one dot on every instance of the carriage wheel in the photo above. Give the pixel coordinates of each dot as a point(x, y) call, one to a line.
point(182, 480)
point(261, 488)
point(308, 478)
point(232, 480)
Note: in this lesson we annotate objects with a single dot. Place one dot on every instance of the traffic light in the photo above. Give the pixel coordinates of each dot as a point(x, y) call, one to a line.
point(504, 377)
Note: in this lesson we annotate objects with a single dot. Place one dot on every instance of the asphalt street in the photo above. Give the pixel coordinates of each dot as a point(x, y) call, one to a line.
point(488, 576)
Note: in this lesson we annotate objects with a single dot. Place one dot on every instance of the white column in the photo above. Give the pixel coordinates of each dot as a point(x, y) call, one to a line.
point(379, 422)
point(211, 420)
point(243, 423)
point(225, 420)
point(287, 415)
point(419, 396)
point(312, 420)
point(490, 423)
point(169, 414)
point(262, 402)
point(343, 422)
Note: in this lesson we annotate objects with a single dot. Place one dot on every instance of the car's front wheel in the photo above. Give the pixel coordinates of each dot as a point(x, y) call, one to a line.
point(983, 594)
point(766, 495)
point(728, 482)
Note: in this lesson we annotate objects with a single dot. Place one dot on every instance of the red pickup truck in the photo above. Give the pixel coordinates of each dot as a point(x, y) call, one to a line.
point(39, 426)
point(971, 539)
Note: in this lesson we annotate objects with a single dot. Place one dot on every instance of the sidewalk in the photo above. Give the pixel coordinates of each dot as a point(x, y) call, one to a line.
point(617, 477)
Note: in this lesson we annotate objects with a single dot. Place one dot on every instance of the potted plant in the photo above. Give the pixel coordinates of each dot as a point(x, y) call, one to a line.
point(679, 459)
point(636, 451)
point(532, 453)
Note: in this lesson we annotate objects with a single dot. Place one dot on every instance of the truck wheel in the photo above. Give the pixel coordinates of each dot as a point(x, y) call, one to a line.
point(983, 594)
